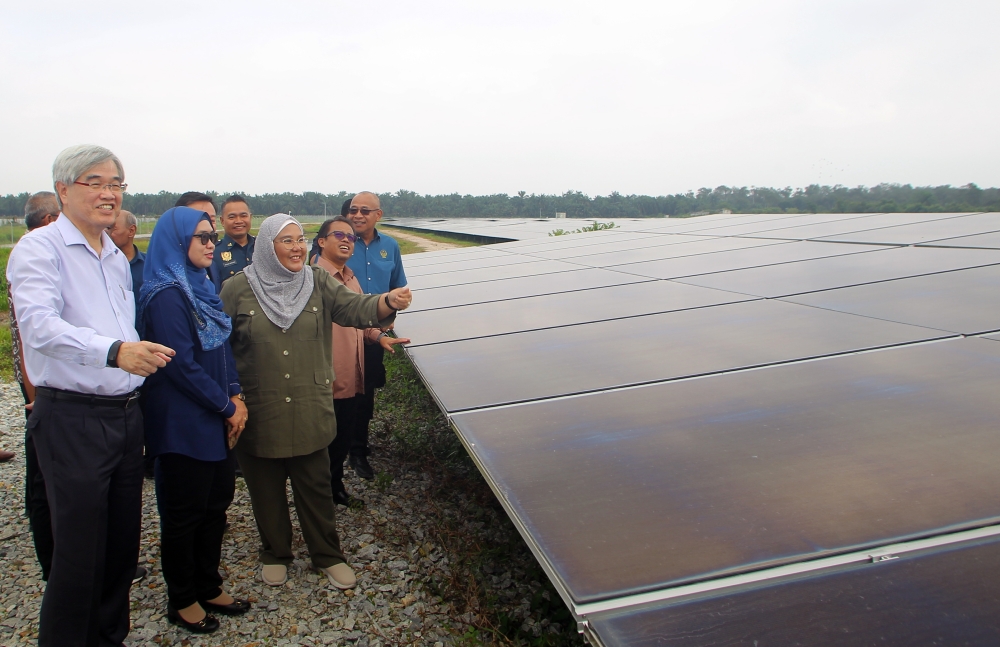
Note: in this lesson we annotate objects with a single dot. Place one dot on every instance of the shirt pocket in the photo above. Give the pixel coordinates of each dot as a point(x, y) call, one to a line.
point(307, 324)
point(324, 377)
point(249, 326)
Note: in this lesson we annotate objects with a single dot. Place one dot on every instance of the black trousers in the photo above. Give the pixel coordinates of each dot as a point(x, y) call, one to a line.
point(192, 497)
point(91, 459)
point(347, 411)
point(374, 378)
point(36, 504)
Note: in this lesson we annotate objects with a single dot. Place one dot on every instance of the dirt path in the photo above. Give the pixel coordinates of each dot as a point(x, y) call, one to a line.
point(425, 244)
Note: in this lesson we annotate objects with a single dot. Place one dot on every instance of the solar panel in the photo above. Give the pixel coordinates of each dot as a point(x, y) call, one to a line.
point(678, 414)
point(990, 241)
point(704, 258)
point(965, 301)
point(500, 263)
point(843, 271)
point(555, 310)
point(943, 596)
point(610, 256)
point(856, 226)
point(535, 268)
point(926, 231)
point(503, 289)
point(589, 357)
point(637, 489)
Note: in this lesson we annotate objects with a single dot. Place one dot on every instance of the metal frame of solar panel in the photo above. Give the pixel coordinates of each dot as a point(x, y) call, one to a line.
point(753, 418)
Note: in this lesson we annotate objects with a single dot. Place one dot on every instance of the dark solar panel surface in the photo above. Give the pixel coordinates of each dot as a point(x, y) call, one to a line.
point(558, 310)
point(734, 259)
point(990, 241)
point(588, 357)
point(966, 225)
point(965, 301)
point(841, 271)
point(763, 435)
point(946, 596)
point(641, 488)
point(503, 289)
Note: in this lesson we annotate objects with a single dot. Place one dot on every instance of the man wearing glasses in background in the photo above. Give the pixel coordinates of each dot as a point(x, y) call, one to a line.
point(235, 251)
point(73, 292)
point(378, 266)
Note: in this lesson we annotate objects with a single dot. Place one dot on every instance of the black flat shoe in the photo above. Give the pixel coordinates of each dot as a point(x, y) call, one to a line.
point(206, 625)
point(236, 608)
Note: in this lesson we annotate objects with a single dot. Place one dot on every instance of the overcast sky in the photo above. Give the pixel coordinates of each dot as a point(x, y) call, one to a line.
point(497, 97)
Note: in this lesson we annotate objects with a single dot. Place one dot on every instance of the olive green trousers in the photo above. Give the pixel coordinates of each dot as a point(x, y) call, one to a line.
point(310, 475)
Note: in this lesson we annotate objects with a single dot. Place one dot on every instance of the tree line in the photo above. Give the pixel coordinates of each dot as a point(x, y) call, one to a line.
point(408, 204)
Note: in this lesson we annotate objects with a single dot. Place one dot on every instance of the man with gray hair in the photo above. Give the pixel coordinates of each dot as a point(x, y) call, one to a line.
point(73, 292)
point(41, 209)
point(122, 233)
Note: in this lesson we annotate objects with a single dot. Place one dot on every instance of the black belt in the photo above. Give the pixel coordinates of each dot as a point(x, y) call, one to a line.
point(123, 401)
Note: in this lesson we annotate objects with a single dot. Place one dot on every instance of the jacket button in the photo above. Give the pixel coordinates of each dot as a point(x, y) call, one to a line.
point(251, 313)
point(328, 381)
point(284, 352)
point(315, 308)
point(288, 399)
point(284, 330)
point(287, 376)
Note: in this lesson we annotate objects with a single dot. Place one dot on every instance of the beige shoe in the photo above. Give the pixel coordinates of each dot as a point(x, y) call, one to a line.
point(274, 574)
point(341, 576)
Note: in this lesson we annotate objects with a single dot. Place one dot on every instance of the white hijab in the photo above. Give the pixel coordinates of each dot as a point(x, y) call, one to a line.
point(282, 293)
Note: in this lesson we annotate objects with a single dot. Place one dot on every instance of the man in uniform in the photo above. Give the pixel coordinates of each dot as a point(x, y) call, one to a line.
point(379, 267)
point(235, 251)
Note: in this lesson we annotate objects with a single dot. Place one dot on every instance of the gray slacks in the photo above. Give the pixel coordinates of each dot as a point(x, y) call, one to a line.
point(310, 475)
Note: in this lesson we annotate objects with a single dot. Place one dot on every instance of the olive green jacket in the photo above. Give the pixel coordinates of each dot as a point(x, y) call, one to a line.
point(286, 375)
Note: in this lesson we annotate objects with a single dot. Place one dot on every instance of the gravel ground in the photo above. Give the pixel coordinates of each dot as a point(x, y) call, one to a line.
point(437, 560)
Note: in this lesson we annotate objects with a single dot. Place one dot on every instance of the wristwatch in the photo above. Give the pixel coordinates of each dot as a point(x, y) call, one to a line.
point(113, 354)
point(241, 396)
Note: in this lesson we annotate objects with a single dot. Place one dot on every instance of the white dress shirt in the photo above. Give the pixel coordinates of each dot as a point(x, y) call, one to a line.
point(71, 306)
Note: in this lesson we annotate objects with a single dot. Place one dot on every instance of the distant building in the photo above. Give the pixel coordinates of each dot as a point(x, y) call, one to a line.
point(560, 214)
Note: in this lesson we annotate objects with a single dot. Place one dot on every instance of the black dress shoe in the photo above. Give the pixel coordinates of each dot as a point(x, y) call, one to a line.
point(341, 497)
point(140, 572)
point(235, 608)
point(206, 625)
point(361, 467)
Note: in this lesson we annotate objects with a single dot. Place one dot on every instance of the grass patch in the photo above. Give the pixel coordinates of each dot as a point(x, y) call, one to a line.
point(437, 238)
point(485, 550)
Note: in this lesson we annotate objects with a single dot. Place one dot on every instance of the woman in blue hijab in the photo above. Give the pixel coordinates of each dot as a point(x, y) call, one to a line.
point(194, 413)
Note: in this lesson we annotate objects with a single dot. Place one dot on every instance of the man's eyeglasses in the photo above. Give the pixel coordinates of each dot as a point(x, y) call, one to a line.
point(363, 210)
point(340, 235)
point(97, 186)
point(208, 236)
point(290, 243)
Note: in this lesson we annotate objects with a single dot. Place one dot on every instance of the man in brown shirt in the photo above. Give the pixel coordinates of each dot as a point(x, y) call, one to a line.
point(336, 242)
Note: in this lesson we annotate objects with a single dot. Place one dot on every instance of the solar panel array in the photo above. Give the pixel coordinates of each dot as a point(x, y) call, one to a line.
point(712, 429)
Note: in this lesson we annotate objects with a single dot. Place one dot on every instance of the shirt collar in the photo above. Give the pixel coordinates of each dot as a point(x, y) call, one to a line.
point(227, 240)
point(73, 236)
point(139, 255)
point(345, 275)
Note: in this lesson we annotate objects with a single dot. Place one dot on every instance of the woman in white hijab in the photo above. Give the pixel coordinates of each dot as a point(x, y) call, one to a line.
point(282, 311)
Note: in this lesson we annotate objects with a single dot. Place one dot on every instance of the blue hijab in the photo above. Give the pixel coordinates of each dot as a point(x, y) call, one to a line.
point(167, 265)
